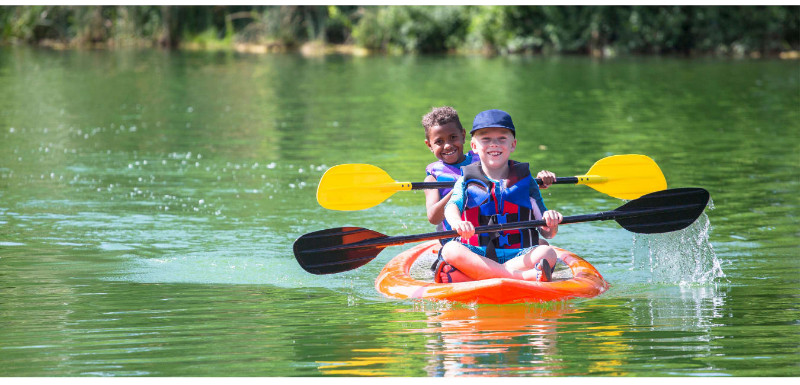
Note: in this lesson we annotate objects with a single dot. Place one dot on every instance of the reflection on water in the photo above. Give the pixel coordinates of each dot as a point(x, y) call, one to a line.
point(367, 362)
point(459, 340)
point(617, 337)
point(517, 340)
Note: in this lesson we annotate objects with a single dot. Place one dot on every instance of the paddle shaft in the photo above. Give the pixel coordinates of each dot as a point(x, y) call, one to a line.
point(602, 216)
point(432, 185)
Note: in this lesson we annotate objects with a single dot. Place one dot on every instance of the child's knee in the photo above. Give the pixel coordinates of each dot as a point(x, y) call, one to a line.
point(549, 253)
point(455, 253)
point(450, 251)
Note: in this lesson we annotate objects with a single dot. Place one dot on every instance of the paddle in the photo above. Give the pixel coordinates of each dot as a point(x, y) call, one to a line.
point(345, 248)
point(350, 187)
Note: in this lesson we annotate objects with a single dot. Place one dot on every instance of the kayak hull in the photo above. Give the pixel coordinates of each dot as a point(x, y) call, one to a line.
point(394, 281)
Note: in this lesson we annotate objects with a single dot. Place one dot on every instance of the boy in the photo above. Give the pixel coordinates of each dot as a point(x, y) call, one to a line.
point(496, 190)
point(445, 137)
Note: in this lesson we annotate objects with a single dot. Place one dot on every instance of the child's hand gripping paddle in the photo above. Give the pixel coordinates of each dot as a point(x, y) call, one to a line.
point(346, 248)
point(350, 187)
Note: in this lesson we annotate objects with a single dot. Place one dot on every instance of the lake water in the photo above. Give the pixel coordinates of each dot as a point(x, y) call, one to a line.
point(149, 201)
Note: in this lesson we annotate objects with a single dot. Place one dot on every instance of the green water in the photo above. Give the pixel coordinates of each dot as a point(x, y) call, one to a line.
point(149, 201)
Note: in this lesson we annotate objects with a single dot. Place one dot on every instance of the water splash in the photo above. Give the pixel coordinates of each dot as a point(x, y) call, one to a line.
point(681, 257)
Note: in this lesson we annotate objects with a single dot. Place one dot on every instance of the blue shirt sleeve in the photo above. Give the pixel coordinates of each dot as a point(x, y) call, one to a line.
point(459, 194)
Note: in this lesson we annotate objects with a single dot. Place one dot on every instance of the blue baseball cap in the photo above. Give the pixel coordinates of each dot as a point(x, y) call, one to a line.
point(493, 118)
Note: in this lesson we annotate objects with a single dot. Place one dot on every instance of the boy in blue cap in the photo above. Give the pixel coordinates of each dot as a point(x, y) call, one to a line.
point(492, 191)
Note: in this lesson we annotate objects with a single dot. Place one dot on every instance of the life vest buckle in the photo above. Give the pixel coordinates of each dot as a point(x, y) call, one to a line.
point(501, 236)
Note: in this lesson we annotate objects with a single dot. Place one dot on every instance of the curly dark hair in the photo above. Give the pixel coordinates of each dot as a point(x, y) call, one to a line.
point(439, 116)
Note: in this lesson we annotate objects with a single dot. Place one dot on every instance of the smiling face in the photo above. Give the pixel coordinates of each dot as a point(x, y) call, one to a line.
point(494, 145)
point(447, 142)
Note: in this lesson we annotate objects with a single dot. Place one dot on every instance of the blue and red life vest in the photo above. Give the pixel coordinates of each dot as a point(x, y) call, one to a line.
point(514, 199)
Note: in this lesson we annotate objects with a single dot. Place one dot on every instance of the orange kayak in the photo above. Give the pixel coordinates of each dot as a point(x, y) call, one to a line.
point(394, 281)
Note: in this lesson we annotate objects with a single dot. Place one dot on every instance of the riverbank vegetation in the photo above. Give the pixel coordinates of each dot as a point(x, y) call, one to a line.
point(595, 30)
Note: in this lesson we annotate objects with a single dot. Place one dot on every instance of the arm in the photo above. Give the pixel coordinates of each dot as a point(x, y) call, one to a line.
point(452, 211)
point(434, 205)
point(553, 218)
point(464, 228)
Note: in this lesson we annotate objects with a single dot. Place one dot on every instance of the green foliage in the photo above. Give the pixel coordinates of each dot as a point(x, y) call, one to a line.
point(424, 29)
point(412, 28)
point(340, 24)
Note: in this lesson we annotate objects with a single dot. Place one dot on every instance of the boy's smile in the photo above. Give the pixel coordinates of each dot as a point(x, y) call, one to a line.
point(446, 142)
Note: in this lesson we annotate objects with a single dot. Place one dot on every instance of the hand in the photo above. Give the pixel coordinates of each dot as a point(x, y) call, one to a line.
point(547, 178)
point(552, 218)
point(465, 229)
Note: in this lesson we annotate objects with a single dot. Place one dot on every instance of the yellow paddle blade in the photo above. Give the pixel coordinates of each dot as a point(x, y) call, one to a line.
point(625, 176)
point(350, 187)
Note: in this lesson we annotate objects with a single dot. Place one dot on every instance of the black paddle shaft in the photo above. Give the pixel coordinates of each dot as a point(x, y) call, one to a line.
point(386, 241)
point(432, 185)
point(345, 248)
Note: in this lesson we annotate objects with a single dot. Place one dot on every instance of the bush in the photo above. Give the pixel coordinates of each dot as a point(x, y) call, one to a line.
point(424, 29)
point(412, 28)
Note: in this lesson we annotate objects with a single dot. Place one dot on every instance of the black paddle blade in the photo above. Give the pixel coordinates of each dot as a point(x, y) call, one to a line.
point(317, 252)
point(663, 211)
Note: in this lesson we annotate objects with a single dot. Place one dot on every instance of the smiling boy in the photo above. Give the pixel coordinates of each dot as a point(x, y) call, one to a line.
point(497, 190)
point(445, 137)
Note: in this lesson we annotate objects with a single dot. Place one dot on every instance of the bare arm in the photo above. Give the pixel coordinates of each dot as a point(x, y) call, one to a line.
point(434, 205)
point(464, 228)
point(553, 218)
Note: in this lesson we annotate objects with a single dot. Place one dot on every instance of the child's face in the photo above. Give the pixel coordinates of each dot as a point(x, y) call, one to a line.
point(494, 145)
point(446, 142)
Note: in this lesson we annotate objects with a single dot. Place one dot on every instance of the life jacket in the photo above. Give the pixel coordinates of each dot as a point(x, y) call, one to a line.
point(445, 172)
point(513, 201)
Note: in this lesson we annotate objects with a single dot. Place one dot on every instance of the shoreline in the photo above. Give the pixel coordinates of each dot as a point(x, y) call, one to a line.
point(320, 49)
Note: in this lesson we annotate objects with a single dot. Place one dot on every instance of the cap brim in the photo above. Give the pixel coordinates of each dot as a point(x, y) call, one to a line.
point(513, 132)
